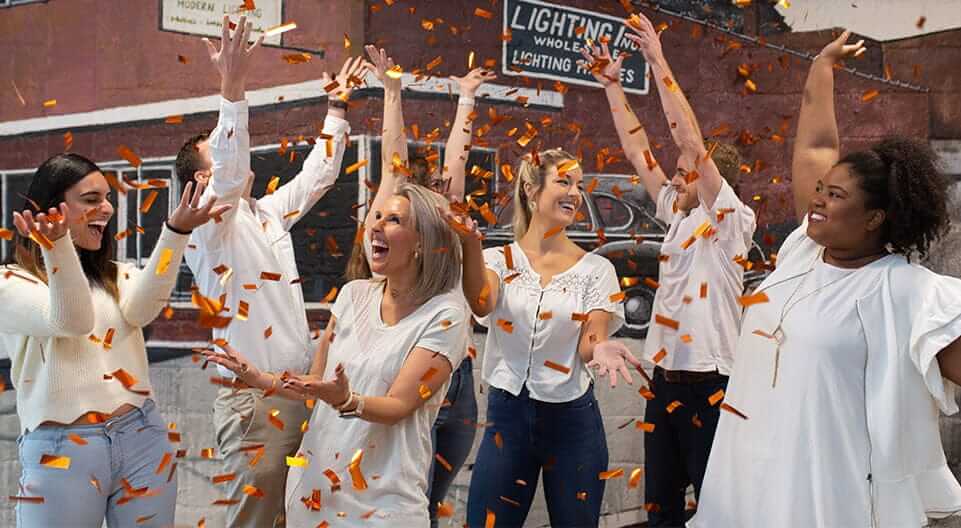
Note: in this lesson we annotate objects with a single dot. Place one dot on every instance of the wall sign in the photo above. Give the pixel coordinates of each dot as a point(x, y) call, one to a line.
point(546, 41)
point(205, 17)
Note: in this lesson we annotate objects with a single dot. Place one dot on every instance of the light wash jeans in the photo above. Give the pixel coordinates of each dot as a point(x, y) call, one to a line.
point(114, 474)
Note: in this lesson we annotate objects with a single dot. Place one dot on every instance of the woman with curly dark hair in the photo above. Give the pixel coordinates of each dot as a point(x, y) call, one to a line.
point(848, 350)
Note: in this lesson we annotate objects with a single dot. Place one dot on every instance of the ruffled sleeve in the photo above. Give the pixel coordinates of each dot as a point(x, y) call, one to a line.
point(603, 292)
point(937, 324)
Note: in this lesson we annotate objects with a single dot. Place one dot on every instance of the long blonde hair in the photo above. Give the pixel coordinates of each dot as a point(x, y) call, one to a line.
point(533, 171)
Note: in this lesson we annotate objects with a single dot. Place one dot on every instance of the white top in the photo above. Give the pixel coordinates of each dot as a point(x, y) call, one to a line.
point(517, 358)
point(710, 322)
point(254, 238)
point(396, 458)
point(54, 333)
point(849, 435)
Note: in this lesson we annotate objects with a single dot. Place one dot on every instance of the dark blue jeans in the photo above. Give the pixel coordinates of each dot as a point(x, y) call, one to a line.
point(524, 436)
point(453, 434)
point(676, 452)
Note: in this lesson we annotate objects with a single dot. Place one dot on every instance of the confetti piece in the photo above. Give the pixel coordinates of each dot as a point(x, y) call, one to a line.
point(166, 459)
point(67, 140)
point(506, 326)
point(253, 491)
point(612, 474)
point(50, 103)
point(269, 276)
point(55, 461)
point(750, 86)
point(582, 495)
point(869, 95)
point(671, 407)
point(6, 234)
point(428, 375)
point(41, 239)
point(282, 28)
point(353, 167)
point(445, 509)
point(581, 317)
point(129, 155)
point(269, 331)
point(21, 498)
point(443, 461)
point(732, 410)
point(346, 41)
point(617, 297)
point(646, 393)
point(490, 520)
point(207, 452)
point(545, 316)
point(483, 13)
point(716, 397)
point(508, 257)
point(395, 73)
point(686, 338)
point(272, 418)
point(148, 202)
point(666, 321)
point(424, 391)
point(560, 368)
point(635, 478)
point(757, 298)
point(356, 477)
point(553, 231)
point(499, 440)
point(75, 438)
point(272, 185)
point(697, 421)
point(661, 354)
point(920, 23)
point(163, 263)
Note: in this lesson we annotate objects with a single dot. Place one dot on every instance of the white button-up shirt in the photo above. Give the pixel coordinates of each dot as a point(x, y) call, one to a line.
point(540, 350)
point(700, 283)
point(253, 241)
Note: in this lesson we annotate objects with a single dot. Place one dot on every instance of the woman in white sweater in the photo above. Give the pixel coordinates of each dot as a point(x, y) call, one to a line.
point(93, 445)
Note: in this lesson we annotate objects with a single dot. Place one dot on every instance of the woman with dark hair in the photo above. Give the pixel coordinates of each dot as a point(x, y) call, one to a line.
point(93, 445)
point(847, 351)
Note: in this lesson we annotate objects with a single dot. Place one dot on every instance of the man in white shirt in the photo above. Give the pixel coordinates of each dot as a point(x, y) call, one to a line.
point(691, 339)
point(245, 265)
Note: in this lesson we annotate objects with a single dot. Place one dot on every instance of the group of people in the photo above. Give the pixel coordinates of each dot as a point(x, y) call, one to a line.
point(832, 372)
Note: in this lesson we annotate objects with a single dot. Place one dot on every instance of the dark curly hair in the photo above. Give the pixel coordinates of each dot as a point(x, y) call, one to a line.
point(189, 160)
point(901, 176)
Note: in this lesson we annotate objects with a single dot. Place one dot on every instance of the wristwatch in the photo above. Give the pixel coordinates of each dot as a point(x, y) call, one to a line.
point(358, 411)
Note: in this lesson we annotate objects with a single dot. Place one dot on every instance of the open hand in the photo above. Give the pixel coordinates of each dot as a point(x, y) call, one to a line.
point(612, 357)
point(379, 65)
point(469, 83)
point(349, 77)
point(334, 392)
point(645, 37)
point(189, 215)
point(233, 361)
point(466, 228)
point(52, 224)
point(597, 59)
point(232, 60)
point(838, 48)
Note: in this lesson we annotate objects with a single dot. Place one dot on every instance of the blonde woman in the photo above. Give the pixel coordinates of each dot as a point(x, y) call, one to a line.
point(379, 375)
point(551, 309)
point(93, 444)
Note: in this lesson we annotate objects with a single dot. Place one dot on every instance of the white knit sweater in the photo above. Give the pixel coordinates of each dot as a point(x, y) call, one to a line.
point(55, 333)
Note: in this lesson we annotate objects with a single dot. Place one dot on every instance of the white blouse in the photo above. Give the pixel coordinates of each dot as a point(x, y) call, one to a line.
point(396, 458)
point(848, 435)
point(533, 335)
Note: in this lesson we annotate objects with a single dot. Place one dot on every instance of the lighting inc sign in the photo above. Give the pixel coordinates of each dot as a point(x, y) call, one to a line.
point(546, 41)
point(205, 17)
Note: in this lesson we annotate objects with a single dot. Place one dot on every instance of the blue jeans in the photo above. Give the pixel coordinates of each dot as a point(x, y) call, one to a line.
point(113, 476)
point(676, 451)
point(453, 434)
point(565, 440)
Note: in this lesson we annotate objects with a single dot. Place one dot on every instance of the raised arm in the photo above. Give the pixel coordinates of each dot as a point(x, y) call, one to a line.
point(680, 117)
point(393, 137)
point(143, 293)
point(481, 285)
point(295, 199)
point(64, 306)
point(458, 143)
point(816, 145)
point(230, 140)
point(634, 141)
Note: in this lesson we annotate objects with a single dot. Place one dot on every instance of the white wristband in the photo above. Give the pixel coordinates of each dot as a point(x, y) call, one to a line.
point(466, 101)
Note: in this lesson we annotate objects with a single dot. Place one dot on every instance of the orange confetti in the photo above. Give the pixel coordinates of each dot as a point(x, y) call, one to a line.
point(353, 167)
point(55, 461)
point(75, 438)
point(649, 159)
point(686, 338)
point(671, 407)
point(21, 498)
point(333, 478)
point(129, 155)
point(506, 326)
point(356, 477)
point(751, 87)
point(560, 368)
point(282, 28)
point(483, 13)
point(646, 393)
point(148, 202)
point(6, 234)
point(716, 397)
point(253, 491)
point(581, 317)
point(445, 509)
point(424, 391)
point(490, 520)
point(869, 95)
point(443, 461)
point(331, 295)
point(269, 276)
point(272, 418)
point(757, 298)
point(644, 426)
point(703, 291)
point(346, 41)
point(661, 354)
point(50, 103)
point(732, 410)
point(617, 297)
point(635, 479)
point(41, 239)
point(553, 231)
point(272, 185)
point(163, 263)
point(167, 457)
point(666, 321)
point(545, 316)
point(508, 257)
point(499, 440)
point(612, 474)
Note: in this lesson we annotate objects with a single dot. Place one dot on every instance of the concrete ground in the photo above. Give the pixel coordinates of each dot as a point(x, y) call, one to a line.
point(184, 395)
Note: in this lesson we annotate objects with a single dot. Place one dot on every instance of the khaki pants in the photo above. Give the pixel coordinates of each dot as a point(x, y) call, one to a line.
point(241, 426)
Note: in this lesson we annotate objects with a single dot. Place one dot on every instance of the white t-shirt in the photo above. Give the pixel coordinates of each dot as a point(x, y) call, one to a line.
point(804, 455)
point(513, 359)
point(396, 458)
point(704, 340)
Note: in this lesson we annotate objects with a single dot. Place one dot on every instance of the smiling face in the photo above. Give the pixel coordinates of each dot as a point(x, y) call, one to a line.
point(90, 210)
point(393, 238)
point(838, 216)
point(560, 197)
point(686, 192)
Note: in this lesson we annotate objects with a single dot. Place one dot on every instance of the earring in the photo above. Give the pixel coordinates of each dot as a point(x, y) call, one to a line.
point(533, 205)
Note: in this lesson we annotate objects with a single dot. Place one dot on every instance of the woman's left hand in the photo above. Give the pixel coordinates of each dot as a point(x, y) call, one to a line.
point(611, 357)
point(334, 392)
point(189, 215)
point(233, 361)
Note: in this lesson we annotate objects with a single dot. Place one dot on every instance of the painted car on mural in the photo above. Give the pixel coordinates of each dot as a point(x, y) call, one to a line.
point(617, 221)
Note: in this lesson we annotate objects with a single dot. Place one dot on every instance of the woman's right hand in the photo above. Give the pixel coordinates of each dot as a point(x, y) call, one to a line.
point(233, 361)
point(598, 60)
point(839, 49)
point(52, 224)
point(379, 65)
point(466, 228)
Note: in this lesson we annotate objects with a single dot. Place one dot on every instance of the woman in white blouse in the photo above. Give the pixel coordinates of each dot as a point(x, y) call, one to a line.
point(94, 446)
point(382, 368)
point(550, 309)
point(843, 365)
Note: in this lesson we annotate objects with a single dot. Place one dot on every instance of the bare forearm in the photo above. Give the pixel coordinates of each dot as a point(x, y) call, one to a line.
point(677, 110)
point(477, 290)
point(394, 138)
point(634, 141)
point(457, 150)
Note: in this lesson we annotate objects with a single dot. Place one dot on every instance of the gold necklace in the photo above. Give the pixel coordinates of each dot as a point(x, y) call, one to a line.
point(778, 334)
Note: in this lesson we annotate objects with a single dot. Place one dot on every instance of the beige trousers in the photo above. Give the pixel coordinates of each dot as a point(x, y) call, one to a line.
point(255, 450)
